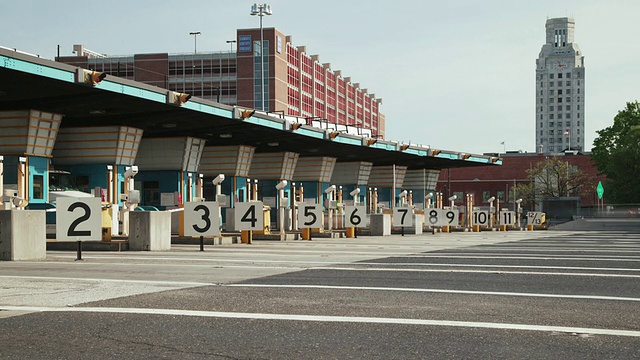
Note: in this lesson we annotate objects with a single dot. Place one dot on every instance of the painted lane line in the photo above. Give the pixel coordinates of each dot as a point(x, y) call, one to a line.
point(441, 291)
point(493, 248)
point(499, 266)
point(338, 319)
point(521, 257)
point(477, 271)
point(177, 284)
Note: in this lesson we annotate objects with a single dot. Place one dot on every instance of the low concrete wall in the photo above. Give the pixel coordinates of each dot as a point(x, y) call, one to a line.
point(23, 235)
point(150, 231)
point(380, 224)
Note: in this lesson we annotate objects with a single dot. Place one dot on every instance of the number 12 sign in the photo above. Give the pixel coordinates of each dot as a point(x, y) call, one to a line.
point(78, 219)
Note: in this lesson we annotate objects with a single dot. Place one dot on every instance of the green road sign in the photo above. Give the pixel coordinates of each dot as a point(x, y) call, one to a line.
point(600, 190)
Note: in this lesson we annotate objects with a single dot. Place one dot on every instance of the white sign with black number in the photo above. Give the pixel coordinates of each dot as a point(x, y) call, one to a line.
point(201, 219)
point(78, 219)
point(309, 216)
point(480, 218)
point(248, 216)
point(507, 217)
point(442, 217)
point(403, 216)
point(354, 216)
point(534, 218)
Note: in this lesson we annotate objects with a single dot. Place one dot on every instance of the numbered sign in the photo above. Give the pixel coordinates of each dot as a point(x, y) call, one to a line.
point(309, 216)
point(534, 218)
point(201, 219)
point(354, 216)
point(78, 219)
point(507, 217)
point(480, 218)
point(403, 216)
point(442, 217)
point(248, 216)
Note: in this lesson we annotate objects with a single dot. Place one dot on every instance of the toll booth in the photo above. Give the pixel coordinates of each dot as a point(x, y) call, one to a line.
point(421, 182)
point(389, 182)
point(26, 144)
point(351, 176)
point(233, 162)
point(270, 169)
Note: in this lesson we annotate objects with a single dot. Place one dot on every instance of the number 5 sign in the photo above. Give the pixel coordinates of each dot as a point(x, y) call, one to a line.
point(355, 216)
point(78, 219)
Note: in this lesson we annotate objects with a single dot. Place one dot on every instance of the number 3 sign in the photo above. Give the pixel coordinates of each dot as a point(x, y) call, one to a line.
point(78, 219)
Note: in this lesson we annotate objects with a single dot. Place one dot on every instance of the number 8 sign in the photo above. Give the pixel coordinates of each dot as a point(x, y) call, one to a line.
point(78, 219)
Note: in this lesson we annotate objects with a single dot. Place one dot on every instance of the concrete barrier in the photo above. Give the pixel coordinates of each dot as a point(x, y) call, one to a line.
point(23, 235)
point(150, 231)
point(380, 224)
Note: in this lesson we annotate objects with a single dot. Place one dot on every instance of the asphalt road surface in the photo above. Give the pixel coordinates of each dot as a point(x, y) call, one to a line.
point(490, 295)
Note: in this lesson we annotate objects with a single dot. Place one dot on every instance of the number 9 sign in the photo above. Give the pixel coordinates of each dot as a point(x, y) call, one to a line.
point(78, 219)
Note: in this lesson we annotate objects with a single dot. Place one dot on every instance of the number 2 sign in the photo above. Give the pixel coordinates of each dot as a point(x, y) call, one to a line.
point(78, 219)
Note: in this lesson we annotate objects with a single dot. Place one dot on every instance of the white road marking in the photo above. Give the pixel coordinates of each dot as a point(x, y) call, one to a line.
point(443, 291)
point(521, 257)
point(477, 271)
point(183, 284)
point(319, 318)
point(499, 266)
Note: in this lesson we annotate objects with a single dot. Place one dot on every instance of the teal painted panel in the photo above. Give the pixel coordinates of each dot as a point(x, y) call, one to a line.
point(390, 147)
point(132, 91)
point(310, 133)
point(36, 69)
point(265, 122)
point(417, 152)
point(346, 140)
point(209, 109)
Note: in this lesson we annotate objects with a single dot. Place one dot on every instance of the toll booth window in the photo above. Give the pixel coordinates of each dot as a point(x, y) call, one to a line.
point(38, 185)
point(151, 193)
point(500, 195)
point(82, 183)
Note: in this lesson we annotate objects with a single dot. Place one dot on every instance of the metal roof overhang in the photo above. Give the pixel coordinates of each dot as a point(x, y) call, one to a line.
point(28, 82)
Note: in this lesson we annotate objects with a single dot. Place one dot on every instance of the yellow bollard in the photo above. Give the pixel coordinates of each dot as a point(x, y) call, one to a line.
point(306, 234)
point(246, 237)
point(530, 227)
point(476, 228)
point(350, 232)
point(503, 227)
point(445, 229)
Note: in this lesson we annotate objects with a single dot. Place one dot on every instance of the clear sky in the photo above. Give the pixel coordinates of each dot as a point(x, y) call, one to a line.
point(457, 75)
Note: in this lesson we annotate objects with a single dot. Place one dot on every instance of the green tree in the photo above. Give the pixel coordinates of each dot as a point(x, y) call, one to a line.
point(554, 177)
point(616, 154)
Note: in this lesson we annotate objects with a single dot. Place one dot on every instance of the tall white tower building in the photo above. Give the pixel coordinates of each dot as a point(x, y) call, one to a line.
point(560, 90)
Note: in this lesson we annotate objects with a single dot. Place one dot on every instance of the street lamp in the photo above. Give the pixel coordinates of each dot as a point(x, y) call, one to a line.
point(261, 10)
point(195, 41)
point(231, 42)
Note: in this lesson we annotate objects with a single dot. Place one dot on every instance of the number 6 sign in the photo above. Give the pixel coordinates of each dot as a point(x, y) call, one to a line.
point(78, 219)
point(355, 216)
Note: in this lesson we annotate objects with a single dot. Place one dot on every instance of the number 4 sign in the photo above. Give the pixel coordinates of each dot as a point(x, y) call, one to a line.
point(78, 219)
point(248, 216)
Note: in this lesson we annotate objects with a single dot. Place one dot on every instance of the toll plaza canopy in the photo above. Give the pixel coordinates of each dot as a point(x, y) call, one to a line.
point(29, 82)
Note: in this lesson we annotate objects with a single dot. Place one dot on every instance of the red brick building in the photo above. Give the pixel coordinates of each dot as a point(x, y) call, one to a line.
point(295, 82)
point(499, 181)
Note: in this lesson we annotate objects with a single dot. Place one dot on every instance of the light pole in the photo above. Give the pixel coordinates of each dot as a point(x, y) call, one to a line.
point(195, 41)
point(230, 42)
point(261, 10)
